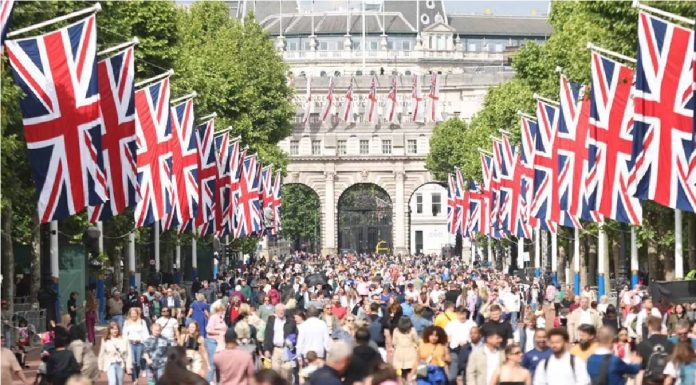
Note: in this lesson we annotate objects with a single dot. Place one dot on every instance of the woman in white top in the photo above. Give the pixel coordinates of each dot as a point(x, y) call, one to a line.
point(135, 332)
point(115, 355)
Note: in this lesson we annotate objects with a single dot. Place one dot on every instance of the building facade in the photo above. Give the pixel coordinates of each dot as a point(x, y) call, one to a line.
point(355, 43)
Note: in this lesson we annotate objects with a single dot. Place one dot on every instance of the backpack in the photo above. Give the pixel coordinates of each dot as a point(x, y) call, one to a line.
point(687, 373)
point(656, 364)
point(376, 332)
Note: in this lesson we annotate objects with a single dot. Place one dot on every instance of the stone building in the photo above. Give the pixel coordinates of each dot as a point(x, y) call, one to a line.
point(354, 42)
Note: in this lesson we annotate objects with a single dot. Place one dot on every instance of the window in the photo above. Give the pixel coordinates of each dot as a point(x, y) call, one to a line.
point(412, 146)
point(406, 45)
point(419, 203)
point(386, 146)
point(364, 146)
point(373, 45)
point(436, 204)
point(341, 147)
point(316, 147)
point(294, 147)
point(323, 46)
point(292, 46)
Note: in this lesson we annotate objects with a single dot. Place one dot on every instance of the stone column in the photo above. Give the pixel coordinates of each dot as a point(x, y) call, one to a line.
point(400, 227)
point(329, 229)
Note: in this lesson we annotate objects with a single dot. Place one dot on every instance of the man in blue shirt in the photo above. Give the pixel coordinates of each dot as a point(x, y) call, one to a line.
point(532, 358)
point(337, 361)
point(681, 333)
point(605, 364)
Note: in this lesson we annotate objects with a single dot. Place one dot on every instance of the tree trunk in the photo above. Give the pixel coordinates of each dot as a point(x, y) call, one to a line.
point(8, 270)
point(592, 261)
point(616, 258)
point(124, 273)
point(691, 240)
point(562, 264)
point(666, 257)
point(35, 257)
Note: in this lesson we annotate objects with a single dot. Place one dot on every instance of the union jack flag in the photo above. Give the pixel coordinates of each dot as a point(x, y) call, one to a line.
point(393, 116)
point(490, 190)
point(116, 93)
point(237, 157)
point(544, 205)
point(184, 168)
point(154, 156)
point(57, 73)
point(478, 212)
point(348, 112)
point(329, 107)
point(248, 211)
point(5, 15)
point(266, 191)
point(372, 101)
point(611, 141)
point(207, 173)
point(506, 159)
point(524, 178)
point(453, 221)
point(434, 110)
point(277, 201)
point(223, 182)
point(462, 201)
point(417, 114)
point(309, 103)
point(570, 151)
point(663, 141)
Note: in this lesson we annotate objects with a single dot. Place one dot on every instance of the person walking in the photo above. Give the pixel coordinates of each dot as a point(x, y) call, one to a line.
point(495, 324)
point(91, 307)
point(135, 331)
point(236, 366)
point(313, 335)
point(432, 358)
point(681, 368)
point(199, 311)
point(483, 362)
point(278, 328)
point(337, 361)
point(155, 354)
point(114, 308)
point(176, 371)
point(561, 367)
point(61, 363)
point(115, 355)
point(654, 351)
point(194, 343)
point(216, 329)
point(541, 351)
point(511, 372)
point(405, 345)
point(169, 324)
point(606, 368)
point(83, 352)
point(584, 315)
point(458, 333)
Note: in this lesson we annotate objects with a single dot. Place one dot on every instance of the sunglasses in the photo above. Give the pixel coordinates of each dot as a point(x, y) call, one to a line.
point(516, 352)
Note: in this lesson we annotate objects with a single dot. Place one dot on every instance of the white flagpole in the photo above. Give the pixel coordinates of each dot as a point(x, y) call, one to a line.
point(134, 41)
point(154, 79)
point(576, 261)
point(634, 258)
point(364, 41)
point(100, 226)
point(185, 97)
point(520, 253)
point(55, 267)
point(95, 8)
point(678, 250)
point(554, 258)
point(537, 252)
point(601, 50)
point(131, 258)
point(156, 233)
point(656, 11)
point(194, 256)
point(601, 259)
point(208, 117)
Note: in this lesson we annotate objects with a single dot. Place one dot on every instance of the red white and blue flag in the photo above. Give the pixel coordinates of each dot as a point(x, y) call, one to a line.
point(544, 205)
point(266, 191)
point(117, 99)
point(491, 194)
point(207, 175)
point(309, 103)
point(393, 115)
point(611, 141)
point(6, 7)
point(348, 111)
point(329, 106)
point(462, 201)
point(277, 201)
point(223, 183)
point(237, 157)
point(57, 73)
point(417, 109)
point(522, 222)
point(247, 214)
point(434, 107)
point(663, 140)
point(505, 159)
point(372, 102)
point(154, 155)
point(184, 186)
point(477, 212)
point(453, 221)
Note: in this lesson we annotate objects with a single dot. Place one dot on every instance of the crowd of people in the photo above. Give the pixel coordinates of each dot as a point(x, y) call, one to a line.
point(368, 319)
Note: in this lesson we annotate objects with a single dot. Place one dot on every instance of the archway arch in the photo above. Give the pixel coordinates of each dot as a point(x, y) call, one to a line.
point(364, 218)
point(427, 218)
point(301, 217)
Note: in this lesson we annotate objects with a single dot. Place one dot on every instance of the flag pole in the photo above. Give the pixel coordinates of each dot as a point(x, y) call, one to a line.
point(224, 130)
point(537, 252)
point(131, 258)
point(185, 97)
point(208, 117)
point(134, 41)
point(576, 260)
point(93, 9)
point(592, 47)
point(554, 258)
point(154, 79)
point(634, 258)
point(547, 100)
point(656, 11)
point(526, 115)
point(601, 260)
point(678, 249)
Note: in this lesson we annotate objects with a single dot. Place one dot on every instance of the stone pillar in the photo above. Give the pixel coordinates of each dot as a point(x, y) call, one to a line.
point(347, 42)
point(400, 227)
point(329, 229)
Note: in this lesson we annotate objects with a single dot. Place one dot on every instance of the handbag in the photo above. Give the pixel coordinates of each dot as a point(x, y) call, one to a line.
point(422, 368)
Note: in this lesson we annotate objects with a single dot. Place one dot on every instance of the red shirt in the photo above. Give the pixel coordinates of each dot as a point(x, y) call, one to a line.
point(338, 311)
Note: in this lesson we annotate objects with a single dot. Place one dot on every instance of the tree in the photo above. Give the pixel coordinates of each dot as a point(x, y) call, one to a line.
point(300, 215)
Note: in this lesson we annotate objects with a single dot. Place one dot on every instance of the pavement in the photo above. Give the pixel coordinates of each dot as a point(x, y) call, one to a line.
point(33, 361)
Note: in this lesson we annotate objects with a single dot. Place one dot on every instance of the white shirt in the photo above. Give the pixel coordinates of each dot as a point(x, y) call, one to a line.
point(135, 331)
point(458, 332)
point(672, 370)
point(585, 317)
point(529, 340)
point(169, 326)
point(492, 362)
point(278, 332)
point(559, 371)
point(313, 335)
point(511, 301)
point(642, 317)
point(435, 296)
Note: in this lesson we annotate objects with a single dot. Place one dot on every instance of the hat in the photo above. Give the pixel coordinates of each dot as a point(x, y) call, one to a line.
point(230, 335)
